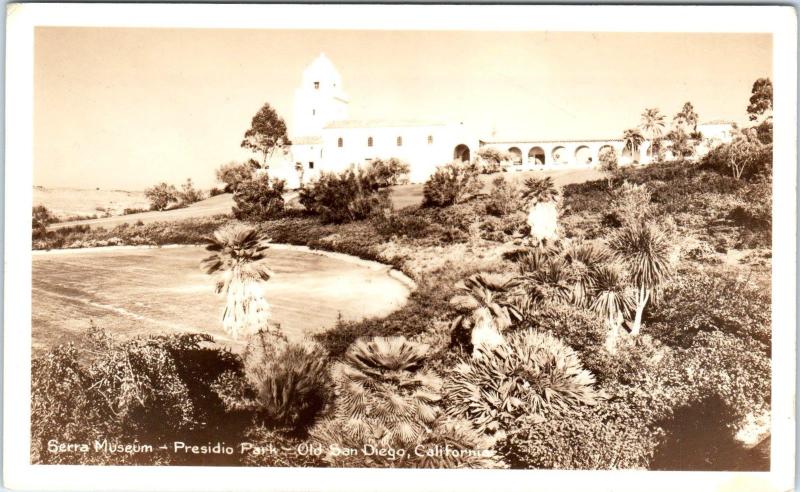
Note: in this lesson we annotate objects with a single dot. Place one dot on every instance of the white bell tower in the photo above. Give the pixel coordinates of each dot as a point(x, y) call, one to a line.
point(319, 99)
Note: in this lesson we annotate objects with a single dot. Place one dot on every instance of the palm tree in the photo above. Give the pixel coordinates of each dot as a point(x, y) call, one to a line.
point(652, 125)
point(487, 311)
point(541, 196)
point(612, 299)
point(237, 253)
point(645, 251)
point(633, 139)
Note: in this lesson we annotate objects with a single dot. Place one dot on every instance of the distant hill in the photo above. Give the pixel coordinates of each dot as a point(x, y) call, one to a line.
point(73, 202)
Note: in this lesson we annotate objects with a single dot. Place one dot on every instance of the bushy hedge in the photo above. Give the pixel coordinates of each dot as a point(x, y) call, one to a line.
point(147, 390)
point(452, 183)
point(258, 198)
point(354, 194)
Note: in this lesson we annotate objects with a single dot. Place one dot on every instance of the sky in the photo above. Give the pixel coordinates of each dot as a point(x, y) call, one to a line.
point(120, 108)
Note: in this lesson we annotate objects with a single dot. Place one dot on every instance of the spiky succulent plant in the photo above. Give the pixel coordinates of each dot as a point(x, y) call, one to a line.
point(535, 373)
point(486, 310)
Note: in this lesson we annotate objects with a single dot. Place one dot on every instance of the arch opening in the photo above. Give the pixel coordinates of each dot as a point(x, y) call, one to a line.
point(516, 156)
point(461, 153)
point(583, 155)
point(559, 155)
point(536, 156)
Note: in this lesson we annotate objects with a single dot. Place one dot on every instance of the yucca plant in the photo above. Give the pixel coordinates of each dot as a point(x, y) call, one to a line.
point(237, 254)
point(486, 309)
point(541, 197)
point(582, 261)
point(545, 276)
point(535, 373)
point(647, 255)
point(612, 299)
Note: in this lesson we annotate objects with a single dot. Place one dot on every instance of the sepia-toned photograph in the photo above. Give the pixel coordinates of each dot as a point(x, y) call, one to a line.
point(402, 248)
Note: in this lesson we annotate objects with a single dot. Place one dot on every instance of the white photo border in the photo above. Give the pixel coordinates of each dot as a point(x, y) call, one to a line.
point(22, 19)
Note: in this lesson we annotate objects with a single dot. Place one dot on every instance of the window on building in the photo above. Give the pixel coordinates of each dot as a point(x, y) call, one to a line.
point(310, 164)
point(316, 85)
point(399, 141)
point(430, 139)
point(340, 142)
point(369, 142)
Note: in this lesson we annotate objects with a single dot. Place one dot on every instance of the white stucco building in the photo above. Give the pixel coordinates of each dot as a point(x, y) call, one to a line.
point(324, 139)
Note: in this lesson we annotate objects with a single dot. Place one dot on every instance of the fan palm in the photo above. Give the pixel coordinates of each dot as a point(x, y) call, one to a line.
point(633, 139)
point(541, 196)
point(645, 251)
point(237, 251)
point(488, 311)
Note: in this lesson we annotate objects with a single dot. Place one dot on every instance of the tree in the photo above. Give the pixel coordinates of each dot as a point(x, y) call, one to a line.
point(608, 164)
point(452, 183)
point(267, 133)
point(645, 251)
point(189, 194)
point(237, 251)
point(161, 196)
point(487, 311)
point(686, 118)
point(234, 173)
point(633, 139)
point(652, 125)
point(259, 199)
point(744, 151)
point(680, 144)
point(491, 160)
point(760, 100)
point(541, 196)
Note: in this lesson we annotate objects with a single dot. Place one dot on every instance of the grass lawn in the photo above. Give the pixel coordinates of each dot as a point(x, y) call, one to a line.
point(162, 290)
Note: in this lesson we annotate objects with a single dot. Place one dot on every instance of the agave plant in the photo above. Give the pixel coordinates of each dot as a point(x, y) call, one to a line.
point(237, 251)
point(541, 196)
point(487, 311)
point(647, 254)
point(535, 373)
point(612, 299)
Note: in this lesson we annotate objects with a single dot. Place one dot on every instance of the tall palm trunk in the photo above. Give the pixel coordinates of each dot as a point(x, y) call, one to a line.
point(641, 301)
point(246, 310)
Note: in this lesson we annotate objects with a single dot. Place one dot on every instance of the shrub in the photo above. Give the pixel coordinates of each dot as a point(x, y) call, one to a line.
point(505, 198)
point(491, 160)
point(534, 373)
point(151, 390)
point(41, 218)
point(632, 204)
point(214, 191)
point(129, 211)
point(286, 384)
point(234, 173)
point(189, 194)
point(608, 164)
point(590, 438)
point(161, 196)
point(745, 157)
point(710, 300)
point(353, 194)
point(402, 225)
point(388, 172)
point(258, 199)
point(452, 183)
